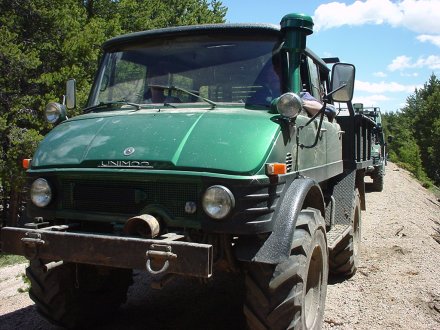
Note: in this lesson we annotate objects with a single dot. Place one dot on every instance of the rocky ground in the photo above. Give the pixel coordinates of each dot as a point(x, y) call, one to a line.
point(397, 285)
point(398, 282)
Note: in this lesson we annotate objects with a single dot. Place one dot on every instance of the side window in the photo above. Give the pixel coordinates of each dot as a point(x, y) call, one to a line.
point(315, 82)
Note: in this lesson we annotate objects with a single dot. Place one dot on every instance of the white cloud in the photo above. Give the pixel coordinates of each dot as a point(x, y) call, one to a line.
point(336, 14)
point(383, 87)
point(435, 40)
point(371, 100)
point(400, 63)
point(405, 74)
point(421, 16)
point(404, 62)
point(380, 74)
point(432, 62)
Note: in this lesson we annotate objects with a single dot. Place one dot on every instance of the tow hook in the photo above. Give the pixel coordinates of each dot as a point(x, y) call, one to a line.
point(31, 243)
point(159, 252)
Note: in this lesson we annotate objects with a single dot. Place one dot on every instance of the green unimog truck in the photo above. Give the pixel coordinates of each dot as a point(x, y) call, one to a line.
point(195, 155)
point(378, 147)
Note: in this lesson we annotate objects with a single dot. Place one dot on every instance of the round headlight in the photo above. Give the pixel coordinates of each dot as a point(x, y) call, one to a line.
point(41, 193)
point(289, 105)
point(55, 112)
point(218, 201)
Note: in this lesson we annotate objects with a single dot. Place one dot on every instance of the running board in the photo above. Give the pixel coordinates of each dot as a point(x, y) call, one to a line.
point(336, 234)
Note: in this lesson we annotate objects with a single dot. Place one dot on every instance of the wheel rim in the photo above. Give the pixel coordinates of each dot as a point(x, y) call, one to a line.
point(313, 287)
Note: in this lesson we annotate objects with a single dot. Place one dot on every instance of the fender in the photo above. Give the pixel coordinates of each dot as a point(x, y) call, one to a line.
point(276, 248)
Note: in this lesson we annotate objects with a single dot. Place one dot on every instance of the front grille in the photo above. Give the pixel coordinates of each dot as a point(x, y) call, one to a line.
point(127, 197)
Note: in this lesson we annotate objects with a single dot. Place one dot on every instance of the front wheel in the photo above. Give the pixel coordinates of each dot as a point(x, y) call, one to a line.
point(77, 295)
point(291, 294)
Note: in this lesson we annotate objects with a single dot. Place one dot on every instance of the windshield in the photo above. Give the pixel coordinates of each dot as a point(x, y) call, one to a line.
point(200, 69)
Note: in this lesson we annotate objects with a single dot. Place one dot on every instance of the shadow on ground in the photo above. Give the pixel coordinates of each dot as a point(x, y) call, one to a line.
point(183, 304)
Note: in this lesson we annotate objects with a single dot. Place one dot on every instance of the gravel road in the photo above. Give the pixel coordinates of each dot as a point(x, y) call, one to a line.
point(397, 285)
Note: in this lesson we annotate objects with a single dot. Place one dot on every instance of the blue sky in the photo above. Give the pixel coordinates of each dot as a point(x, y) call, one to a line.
point(395, 45)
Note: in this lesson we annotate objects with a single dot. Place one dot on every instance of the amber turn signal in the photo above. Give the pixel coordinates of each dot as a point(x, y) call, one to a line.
point(276, 168)
point(27, 163)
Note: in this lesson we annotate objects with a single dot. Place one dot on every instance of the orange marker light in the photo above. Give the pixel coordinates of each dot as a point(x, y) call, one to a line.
point(276, 168)
point(27, 163)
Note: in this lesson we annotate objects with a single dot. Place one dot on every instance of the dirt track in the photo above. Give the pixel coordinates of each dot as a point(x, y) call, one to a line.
point(397, 285)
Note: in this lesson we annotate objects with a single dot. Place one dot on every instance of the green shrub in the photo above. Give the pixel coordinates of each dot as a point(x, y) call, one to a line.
point(9, 259)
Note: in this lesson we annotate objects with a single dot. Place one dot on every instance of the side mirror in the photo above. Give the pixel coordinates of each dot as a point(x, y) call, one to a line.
point(342, 82)
point(390, 138)
point(71, 93)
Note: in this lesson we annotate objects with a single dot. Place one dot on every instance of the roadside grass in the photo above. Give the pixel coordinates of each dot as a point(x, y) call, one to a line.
point(26, 282)
point(436, 191)
point(418, 173)
point(9, 259)
point(428, 184)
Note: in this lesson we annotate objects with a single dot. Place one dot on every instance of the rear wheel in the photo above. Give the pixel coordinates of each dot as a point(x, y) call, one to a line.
point(344, 257)
point(77, 295)
point(291, 294)
point(378, 179)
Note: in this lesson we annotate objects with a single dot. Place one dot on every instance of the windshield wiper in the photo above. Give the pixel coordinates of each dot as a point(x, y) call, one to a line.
point(180, 89)
point(103, 105)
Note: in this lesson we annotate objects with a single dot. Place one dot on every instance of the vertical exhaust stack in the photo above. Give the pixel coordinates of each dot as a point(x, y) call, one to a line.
point(296, 28)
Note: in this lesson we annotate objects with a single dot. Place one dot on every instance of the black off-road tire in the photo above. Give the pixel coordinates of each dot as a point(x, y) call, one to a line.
point(76, 295)
point(378, 179)
point(344, 258)
point(291, 294)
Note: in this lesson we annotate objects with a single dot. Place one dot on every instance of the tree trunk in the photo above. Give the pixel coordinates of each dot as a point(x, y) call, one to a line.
point(4, 205)
point(14, 205)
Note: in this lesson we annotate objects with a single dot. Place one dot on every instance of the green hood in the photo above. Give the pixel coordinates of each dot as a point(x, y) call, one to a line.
point(232, 141)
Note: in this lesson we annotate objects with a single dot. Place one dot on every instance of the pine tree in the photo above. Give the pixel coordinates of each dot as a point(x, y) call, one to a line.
point(42, 44)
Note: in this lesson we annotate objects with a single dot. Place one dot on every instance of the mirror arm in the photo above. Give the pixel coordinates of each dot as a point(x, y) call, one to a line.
point(327, 96)
point(320, 112)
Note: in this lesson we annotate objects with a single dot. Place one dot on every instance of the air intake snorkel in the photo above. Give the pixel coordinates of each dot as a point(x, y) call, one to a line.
point(295, 29)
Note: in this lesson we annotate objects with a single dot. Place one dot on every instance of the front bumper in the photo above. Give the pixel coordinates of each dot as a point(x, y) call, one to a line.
point(166, 255)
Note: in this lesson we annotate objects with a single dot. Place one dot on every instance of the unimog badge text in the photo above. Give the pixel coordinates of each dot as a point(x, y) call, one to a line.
point(124, 164)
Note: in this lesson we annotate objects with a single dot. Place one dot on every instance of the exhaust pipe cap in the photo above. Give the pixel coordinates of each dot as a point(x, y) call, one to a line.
point(144, 225)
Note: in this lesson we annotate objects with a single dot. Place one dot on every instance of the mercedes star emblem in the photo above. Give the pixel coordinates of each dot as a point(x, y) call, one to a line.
point(128, 151)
